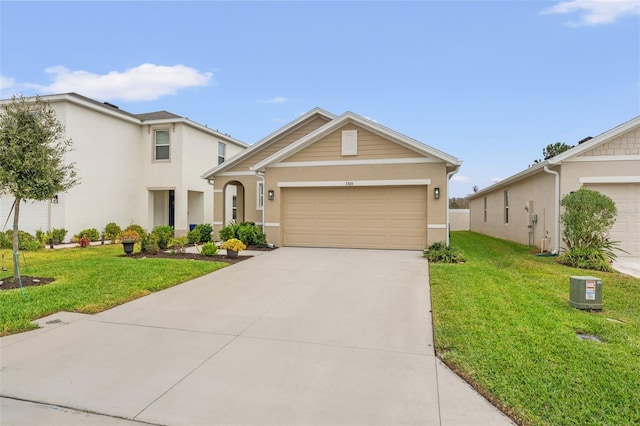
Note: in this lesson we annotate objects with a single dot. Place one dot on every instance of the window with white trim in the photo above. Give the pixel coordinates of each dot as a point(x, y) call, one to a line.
point(485, 209)
point(234, 207)
point(161, 145)
point(260, 196)
point(506, 206)
point(222, 149)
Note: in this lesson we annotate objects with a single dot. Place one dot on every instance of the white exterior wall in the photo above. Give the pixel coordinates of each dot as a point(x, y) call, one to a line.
point(119, 180)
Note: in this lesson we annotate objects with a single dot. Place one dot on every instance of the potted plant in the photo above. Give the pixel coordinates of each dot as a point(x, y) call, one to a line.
point(128, 238)
point(233, 246)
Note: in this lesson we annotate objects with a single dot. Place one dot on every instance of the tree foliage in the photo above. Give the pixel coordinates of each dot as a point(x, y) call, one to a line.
point(32, 154)
point(553, 149)
point(587, 218)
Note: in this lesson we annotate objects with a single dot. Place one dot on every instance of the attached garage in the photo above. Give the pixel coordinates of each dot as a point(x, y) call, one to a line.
point(627, 226)
point(383, 217)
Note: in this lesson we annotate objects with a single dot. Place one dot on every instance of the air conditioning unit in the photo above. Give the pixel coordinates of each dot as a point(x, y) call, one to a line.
point(585, 292)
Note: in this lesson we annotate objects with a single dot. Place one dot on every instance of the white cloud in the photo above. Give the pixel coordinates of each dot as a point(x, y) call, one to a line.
point(145, 82)
point(279, 120)
point(460, 178)
point(276, 100)
point(371, 119)
point(6, 82)
point(595, 12)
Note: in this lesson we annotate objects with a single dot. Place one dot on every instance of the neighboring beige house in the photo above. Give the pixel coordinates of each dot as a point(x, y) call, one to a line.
point(133, 168)
point(525, 207)
point(337, 181)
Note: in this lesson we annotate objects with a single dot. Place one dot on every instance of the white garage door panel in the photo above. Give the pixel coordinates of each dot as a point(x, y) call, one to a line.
point(357, 217)
point(626, 229)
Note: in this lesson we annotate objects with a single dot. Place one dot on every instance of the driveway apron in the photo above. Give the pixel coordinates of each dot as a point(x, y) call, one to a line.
point(295, 336)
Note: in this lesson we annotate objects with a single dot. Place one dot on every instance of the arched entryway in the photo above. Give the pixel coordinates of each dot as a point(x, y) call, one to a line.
point(233, 202)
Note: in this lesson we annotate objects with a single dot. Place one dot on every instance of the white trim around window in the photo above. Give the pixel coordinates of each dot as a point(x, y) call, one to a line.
point(161, 145)
point(259, 195)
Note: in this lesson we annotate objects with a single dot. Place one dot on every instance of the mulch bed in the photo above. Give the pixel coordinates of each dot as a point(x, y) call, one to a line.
point(10, 283)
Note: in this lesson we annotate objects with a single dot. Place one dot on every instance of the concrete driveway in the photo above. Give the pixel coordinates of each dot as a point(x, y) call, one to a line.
point(295, 336)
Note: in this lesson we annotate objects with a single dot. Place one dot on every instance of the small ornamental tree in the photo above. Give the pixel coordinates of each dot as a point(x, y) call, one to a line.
point(587, 218)
point(32, 154)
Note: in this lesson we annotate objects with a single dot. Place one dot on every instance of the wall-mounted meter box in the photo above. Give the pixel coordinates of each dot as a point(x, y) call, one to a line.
point(585, 292)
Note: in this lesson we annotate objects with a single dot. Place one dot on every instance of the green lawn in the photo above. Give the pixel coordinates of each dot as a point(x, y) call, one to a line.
point(87, 280)
point(502, 320)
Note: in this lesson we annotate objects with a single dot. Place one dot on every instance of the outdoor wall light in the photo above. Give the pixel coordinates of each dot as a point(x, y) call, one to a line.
point(436, 193)
point(270, 195)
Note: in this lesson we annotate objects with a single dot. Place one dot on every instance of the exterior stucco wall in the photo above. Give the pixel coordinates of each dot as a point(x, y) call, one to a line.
point(119, 180)
point(537, 193)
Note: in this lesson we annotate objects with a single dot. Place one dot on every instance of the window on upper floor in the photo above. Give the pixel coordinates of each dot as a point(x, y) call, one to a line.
point(222, 149)
point(161, 145)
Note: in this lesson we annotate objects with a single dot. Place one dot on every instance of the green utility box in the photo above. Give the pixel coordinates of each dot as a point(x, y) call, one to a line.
point(585, 292)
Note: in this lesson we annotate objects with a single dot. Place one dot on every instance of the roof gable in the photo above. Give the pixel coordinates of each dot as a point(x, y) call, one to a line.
point(596, 141)
point(271, 139)
point(370, 126)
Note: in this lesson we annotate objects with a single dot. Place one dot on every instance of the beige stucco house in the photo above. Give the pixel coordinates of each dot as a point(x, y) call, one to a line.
point(133, 168)
point(337, 181)
point(525, 207)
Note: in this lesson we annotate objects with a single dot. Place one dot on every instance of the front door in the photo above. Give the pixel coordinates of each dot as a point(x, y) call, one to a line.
point(172, 208)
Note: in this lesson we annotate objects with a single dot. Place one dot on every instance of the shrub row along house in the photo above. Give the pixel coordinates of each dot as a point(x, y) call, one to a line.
point(525, 207)
point(320, 181)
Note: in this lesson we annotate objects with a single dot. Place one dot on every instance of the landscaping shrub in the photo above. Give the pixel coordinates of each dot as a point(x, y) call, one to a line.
point(205, 230)
point(209, 249)
point(247, 232)
point(229, 231)
point(163, 234)
point(91, 233)
point(587, 218)
point(55, 234)
point(586, 258)
point(139, 229)
point(439, 252)
point(193, 236)
point(178, 244)
point(112, 231)
point(148, 244)
point(26, 241)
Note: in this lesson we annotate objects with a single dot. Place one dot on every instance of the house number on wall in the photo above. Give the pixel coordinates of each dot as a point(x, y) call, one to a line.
point(349, 183)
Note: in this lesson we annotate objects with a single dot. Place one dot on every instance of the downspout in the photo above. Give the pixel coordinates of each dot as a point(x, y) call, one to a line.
point(264, 204)
point(557, 212)
point(449, 175)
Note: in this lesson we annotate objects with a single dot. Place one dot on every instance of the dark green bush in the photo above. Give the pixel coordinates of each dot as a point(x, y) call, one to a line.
point(91, 233)
point(209, 249)
point(193, 236)
point(229, 231)
point(112, 231)
point(586, 258)
point(205, 230)
point(247, 232)
point(440, 252)
point(163, 234)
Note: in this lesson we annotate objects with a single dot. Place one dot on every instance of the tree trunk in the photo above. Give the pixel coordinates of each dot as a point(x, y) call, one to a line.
point(16, 216)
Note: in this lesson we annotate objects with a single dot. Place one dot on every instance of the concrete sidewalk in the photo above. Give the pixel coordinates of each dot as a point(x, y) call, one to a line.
point(296, 336)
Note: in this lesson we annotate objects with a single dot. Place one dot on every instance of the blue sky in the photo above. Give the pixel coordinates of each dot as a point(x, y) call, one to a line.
point(490, 82)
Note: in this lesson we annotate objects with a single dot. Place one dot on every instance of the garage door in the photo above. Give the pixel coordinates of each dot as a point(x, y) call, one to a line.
point(627, 226)
point(33, 214)
point(356, 217)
